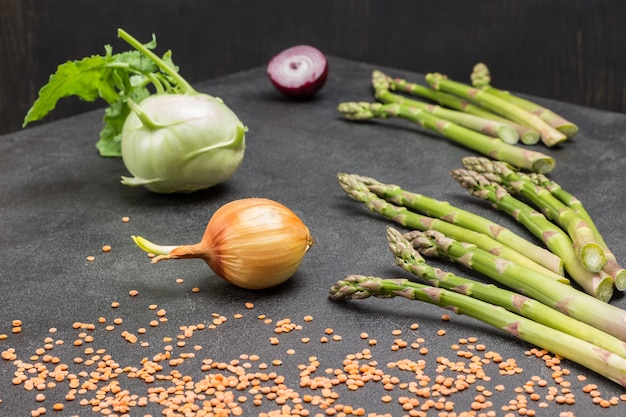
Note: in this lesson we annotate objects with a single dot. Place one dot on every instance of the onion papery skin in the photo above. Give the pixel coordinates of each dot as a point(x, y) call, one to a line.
point(253, 243)
point(199, 143)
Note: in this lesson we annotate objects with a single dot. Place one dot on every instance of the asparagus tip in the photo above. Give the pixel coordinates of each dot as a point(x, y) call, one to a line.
point(480, 76)
point(360, 111)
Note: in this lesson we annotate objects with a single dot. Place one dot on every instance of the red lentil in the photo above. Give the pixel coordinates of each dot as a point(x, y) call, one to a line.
point(226, 392)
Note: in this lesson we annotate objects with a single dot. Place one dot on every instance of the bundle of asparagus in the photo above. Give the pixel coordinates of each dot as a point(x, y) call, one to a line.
point(536, 303)
point(585, 247)
point(480, 117)
point(515, 314)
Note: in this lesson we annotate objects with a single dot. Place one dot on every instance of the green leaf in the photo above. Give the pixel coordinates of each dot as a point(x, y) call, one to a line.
point(114, 78)
point(137, 61)
point(85, 78)
point(110, 143)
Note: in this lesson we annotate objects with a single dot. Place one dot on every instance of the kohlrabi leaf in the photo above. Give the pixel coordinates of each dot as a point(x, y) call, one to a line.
point(82, 78)
point(113, 78)
point(115, 115)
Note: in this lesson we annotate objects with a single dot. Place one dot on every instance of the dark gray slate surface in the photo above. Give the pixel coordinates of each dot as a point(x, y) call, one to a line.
point(60, 202)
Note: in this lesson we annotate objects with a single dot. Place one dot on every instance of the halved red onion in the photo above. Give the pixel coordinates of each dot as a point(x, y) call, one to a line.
point(299, 71)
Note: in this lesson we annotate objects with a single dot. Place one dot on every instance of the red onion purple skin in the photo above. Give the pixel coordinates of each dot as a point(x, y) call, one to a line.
point(304, 89)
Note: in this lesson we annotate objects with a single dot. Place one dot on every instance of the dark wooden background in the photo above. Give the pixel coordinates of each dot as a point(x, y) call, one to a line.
point(570, 50)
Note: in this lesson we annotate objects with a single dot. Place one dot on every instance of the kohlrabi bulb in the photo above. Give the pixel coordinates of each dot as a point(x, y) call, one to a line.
point(181, 143)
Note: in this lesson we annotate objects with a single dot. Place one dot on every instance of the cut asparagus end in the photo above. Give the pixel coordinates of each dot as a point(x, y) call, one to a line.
point(568, 129)
point(543, 165)
point(604, 288)
point(620, 280)
point(592, 256)
point(509, 135)
point(530, 137)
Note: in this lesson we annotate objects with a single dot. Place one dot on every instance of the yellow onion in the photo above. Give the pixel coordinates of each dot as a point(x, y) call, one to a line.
point(253, 243)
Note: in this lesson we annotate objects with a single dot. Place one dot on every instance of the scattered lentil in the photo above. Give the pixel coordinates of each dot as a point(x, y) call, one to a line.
point(227, 386)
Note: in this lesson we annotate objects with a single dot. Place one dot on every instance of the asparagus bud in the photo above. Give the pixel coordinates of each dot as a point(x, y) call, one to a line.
point(455, 215)
point(491, 127)
point(481, 78)
point(358, 191)
point(557, 295)
point(478, 142)
point(549, 135)
point(409, 259)
point(603, 362)
point(527, 135)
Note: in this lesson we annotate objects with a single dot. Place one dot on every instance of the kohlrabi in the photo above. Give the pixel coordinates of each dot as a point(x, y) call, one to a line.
point(172, 139)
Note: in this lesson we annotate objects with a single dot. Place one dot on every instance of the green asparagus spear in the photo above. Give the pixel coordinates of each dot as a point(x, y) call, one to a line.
point(613, 267)
point(549, 135)
point(445, 211)
point(411, 261)
point(592, 357)
point(526, 134)
point(598, 284)
point(587, 248)
point(489, 127)
point(564, 298)
point(483, 144)
point(401, 215)
point(481, 78)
